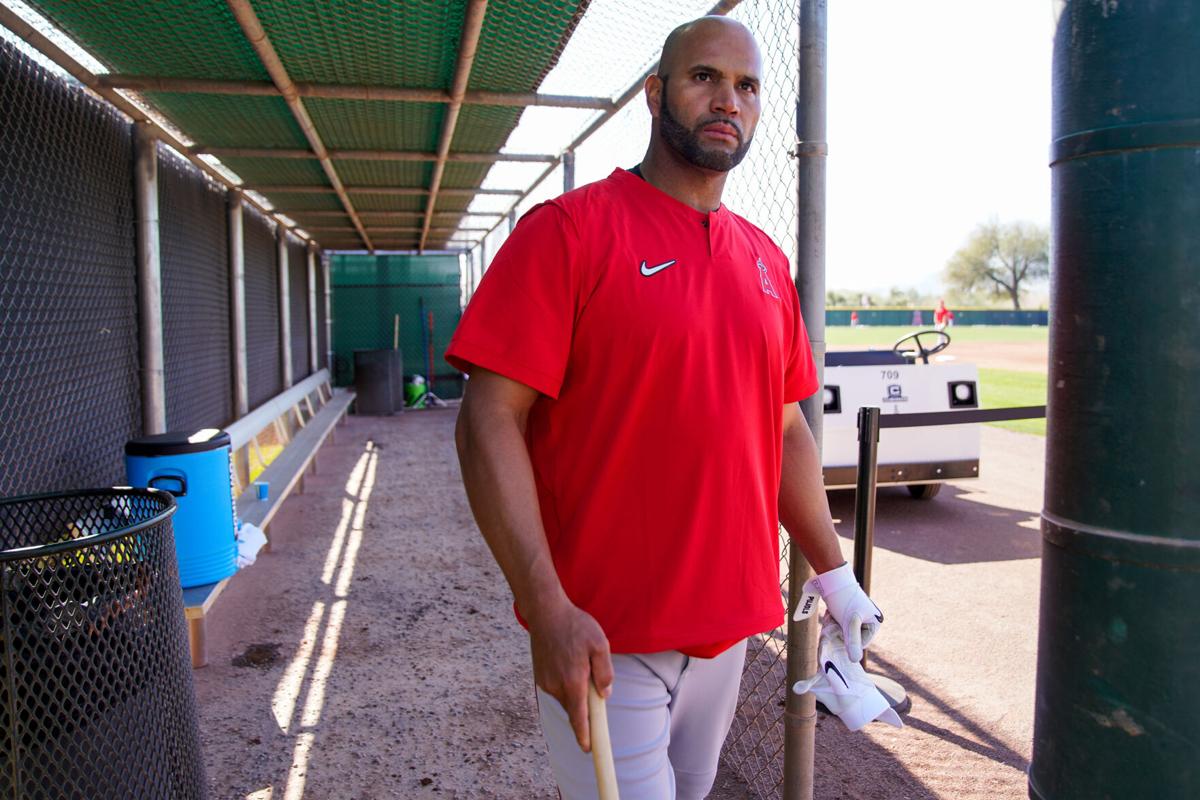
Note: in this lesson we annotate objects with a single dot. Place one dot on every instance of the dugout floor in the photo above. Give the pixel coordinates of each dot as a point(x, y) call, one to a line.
point(388, 665)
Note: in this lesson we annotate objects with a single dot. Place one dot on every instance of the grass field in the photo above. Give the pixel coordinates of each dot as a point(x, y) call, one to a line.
point(880, 336)
point(1005, 388)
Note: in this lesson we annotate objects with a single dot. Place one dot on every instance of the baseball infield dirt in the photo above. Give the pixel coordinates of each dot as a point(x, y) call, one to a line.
point(372, 653)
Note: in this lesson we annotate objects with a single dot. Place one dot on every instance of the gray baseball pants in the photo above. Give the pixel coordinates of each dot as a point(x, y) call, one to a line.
point(667, 717)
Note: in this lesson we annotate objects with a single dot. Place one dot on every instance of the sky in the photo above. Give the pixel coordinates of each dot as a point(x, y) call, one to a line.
point(939, 119)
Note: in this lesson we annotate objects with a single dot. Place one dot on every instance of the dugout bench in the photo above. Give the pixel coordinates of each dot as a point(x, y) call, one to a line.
point(300, 419)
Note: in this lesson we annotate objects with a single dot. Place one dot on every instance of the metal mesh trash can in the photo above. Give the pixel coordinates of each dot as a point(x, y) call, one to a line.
point(96, 693)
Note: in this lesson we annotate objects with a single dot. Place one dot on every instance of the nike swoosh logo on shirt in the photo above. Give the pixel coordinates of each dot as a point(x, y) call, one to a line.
point(829, 665)
point(648, 271)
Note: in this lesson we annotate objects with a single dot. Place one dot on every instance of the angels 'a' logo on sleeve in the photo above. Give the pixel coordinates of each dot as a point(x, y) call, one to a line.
point(767, 287)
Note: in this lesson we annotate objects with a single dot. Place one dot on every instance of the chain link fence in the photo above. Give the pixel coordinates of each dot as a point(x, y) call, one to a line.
point(69, 395)
point(264, 351)
point(763, 189)
point(323, 290)
point(298, 307)
point(193, 231)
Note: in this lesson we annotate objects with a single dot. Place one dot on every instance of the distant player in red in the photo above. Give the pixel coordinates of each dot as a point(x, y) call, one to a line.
point(942, 316)
point(634, 509)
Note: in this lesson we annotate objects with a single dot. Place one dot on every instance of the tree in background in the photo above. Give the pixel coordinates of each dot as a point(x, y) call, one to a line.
point(895, 297)
point(1000, 259)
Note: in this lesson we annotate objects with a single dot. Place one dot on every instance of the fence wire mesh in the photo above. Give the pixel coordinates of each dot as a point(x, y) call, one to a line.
point(763, 189)
point(264, 352)
point(193, 231)
point(68, 306)
point(322, 331)
point(96, 697)
point(298, 307)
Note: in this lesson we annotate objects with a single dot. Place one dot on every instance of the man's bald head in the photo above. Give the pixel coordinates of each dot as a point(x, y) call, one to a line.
point(678, 50)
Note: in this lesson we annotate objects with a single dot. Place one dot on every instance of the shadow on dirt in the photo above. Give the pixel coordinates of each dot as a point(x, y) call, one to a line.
point(981, 742)
point(952, 528)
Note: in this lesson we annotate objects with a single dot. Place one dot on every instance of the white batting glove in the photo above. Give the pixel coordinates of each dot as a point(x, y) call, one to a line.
point(841, 685)
point(859, 617)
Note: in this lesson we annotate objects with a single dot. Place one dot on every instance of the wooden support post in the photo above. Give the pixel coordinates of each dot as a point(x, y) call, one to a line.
point(198, 642)
point(149, 280)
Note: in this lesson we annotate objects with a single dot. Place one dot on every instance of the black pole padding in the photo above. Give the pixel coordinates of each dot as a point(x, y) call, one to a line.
point(864, 494)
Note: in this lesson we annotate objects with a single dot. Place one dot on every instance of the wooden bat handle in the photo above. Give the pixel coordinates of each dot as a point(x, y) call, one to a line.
point(602, 757)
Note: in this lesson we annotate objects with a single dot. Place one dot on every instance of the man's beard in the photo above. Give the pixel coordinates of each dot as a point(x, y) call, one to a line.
point(686, 142)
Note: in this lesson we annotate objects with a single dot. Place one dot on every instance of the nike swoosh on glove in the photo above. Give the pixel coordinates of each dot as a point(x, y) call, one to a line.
point(859, 617)
point(842, 686)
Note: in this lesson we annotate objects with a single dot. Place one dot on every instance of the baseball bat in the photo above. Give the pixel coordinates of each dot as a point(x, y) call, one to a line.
point(602, 756)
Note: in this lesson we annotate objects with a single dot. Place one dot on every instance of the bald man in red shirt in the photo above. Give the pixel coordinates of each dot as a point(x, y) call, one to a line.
point(633, 509)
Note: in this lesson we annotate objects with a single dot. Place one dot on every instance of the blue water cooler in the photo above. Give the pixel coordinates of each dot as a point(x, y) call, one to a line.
point(195, 468)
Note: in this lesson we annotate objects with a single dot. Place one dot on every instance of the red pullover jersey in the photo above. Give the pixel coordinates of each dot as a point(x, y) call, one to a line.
point(665, 342)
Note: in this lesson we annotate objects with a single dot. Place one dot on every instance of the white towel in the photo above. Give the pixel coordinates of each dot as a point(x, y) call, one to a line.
point(250, 540)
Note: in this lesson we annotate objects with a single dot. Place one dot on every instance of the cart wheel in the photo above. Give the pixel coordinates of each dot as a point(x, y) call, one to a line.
point(924, 491)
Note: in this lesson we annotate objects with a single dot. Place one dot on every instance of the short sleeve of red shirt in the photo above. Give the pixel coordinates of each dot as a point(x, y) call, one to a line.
point(800, 374)
point(520, 319)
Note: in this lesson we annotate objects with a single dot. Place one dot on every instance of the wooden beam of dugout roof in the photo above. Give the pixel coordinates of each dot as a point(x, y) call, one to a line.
point(387, 229)
point(257, 36)
point(373, 155)
point(54, 53)
point(467, 46)
point(300, 212)
point(146, 83)
point(403, 191)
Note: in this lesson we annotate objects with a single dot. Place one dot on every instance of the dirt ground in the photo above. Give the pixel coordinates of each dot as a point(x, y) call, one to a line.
point(380, 659)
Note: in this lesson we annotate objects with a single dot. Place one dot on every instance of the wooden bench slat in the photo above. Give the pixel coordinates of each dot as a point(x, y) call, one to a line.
point(197, 600)
point(286, 470)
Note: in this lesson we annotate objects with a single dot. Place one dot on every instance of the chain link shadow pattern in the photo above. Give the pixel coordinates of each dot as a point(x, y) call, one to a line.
point(193, 231)
point(68, 304)
point(96, 693)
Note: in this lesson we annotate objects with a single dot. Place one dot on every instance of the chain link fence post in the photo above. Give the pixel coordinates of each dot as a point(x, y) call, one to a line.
point(149, 279)
point(801, 713)
point(237, 299)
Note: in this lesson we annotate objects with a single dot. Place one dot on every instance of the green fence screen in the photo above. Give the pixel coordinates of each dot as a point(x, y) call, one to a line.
point(924, 316)
point(370, 293)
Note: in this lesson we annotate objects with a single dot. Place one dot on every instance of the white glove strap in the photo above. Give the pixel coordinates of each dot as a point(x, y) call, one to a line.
point(823, 585)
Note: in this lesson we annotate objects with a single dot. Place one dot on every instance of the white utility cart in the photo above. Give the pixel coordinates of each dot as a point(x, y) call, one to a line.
point(901, 381)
